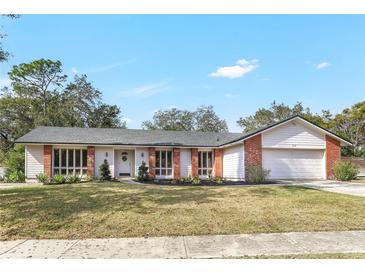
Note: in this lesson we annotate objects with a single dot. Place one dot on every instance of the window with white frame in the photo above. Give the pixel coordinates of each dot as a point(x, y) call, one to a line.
point(205, 163)
point(163, 162)
point(69, 161)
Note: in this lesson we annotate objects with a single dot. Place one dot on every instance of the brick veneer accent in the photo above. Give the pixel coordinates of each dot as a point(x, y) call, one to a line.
point(253, 152)
point(176, 157)
point(194, 162)
point(333, 154)
point(47, 160)
point(218, 162)
point(91, 161)
point(151, 162)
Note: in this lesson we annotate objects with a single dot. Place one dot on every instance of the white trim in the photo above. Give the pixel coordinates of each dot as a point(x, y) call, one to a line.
point(116, 146)
point(165, 168)
point(26, 161)
point(283, 123)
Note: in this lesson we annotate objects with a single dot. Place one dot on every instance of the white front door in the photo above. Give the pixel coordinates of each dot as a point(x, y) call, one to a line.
point(124, 165)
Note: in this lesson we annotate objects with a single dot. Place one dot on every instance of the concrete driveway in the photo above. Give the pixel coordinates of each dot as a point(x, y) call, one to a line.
point(356, 189)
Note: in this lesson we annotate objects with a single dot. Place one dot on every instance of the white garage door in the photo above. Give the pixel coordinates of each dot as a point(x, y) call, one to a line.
point(293, 164)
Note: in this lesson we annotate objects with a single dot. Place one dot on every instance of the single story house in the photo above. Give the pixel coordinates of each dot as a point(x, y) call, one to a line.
point(291, 149)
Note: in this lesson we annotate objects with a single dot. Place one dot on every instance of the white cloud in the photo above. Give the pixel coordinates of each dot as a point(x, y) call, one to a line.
point(145, 91)
point(128, 120)
point(231, 95)
point(241, 68)
point(102, 68)
point(322, 65)
point(4, 82)
point(74, 70)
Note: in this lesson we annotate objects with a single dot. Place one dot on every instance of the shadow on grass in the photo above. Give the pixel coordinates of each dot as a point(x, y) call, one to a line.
point(54, 207)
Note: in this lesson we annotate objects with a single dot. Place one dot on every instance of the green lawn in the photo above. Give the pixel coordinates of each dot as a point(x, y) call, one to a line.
point(95, 210)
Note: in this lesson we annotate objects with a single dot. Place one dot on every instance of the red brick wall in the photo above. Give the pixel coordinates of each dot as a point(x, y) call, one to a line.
point(333, 154)
point(91, 161)
point(47, 160)
point(151, 162)
point(194, 162)
point(253, 152)
point(176, 156)
point(218, 162)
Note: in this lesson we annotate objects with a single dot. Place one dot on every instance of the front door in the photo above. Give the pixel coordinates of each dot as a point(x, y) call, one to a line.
point(124, 164)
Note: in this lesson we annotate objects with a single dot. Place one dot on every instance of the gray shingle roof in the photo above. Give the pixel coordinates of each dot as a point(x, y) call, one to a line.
point(139, 137)
point(116, 136)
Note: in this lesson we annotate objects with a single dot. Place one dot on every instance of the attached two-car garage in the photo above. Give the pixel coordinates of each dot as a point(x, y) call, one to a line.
point(294, 150)
point(294, 163)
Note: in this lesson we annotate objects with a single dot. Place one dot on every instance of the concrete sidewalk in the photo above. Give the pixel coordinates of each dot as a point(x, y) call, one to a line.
point(216, 246)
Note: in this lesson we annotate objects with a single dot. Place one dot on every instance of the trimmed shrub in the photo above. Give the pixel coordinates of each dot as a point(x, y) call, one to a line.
point(42, 178)
point(345, 171)
point(104, 171)
point(257, 174)
point(86, 178)
point(73, 179)
point(59, 179)
point(185, 180)
point(15, 160)
point(195, 180)
point(16, 176)
point(218, 180)
point(143, 172)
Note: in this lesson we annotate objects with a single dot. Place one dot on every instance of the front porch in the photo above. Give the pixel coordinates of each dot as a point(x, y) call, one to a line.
point(124, 161)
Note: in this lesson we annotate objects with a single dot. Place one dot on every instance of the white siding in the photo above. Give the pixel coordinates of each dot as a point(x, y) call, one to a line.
point(100, 155)
point(294, 163)
point(33, 160)
point(185, 162)
point(139, 159)
point(293, 135)
point(234, 162)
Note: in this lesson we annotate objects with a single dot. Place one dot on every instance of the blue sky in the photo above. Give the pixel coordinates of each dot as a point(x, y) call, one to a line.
point(237, 63)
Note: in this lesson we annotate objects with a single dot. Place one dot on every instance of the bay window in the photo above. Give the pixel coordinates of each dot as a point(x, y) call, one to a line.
point(205, 163)
point(163, 163)
point(69, 161)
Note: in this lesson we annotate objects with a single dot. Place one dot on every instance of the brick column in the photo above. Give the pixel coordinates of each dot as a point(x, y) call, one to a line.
point(176, 156)
point(47, 160)
point(218, 162)
point(333, 154)
point(91, 161)
point(151, 162)
point(253, 153)
point(194, 162)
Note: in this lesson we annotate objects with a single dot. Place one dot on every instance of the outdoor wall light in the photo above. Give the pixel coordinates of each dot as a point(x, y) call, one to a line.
point(142, 154)
point(106, 154)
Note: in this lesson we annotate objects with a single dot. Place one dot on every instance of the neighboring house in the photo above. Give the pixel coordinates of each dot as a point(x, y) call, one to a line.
point(291, 149)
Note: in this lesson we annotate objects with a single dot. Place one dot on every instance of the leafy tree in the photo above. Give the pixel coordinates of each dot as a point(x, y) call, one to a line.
point(208, 120)
point(85, 107)
point(173, 119)
point(106, 116)
point(203, 119)
point(104, 171)
point(39, 80)
point(350, 124)
point(275, 113)
point(39, 96)
point(4, 54)
point(15, 160)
